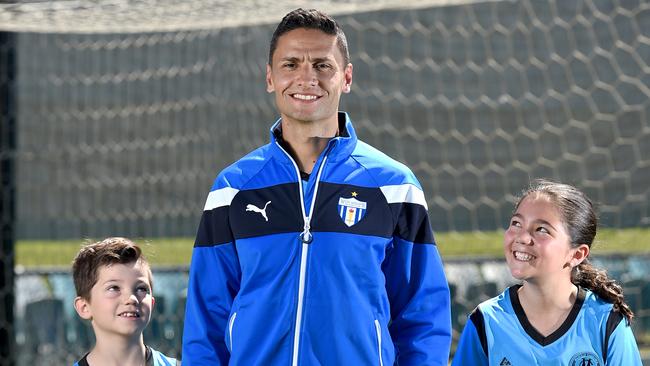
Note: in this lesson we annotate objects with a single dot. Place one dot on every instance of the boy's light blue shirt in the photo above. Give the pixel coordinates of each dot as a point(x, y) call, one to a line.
point(154, 358)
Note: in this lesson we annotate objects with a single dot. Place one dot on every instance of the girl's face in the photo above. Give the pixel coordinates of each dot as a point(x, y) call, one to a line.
point(537, 244)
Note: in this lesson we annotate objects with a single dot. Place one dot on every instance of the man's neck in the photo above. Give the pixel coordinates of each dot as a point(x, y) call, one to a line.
point(306, 141)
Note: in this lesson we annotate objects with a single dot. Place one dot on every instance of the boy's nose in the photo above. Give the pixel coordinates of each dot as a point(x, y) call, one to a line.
point(131, 299)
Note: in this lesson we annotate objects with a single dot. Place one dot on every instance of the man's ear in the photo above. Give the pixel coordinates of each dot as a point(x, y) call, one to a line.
point(348, 79)
point(269, 80)
point(579, 255)
point(82, 306)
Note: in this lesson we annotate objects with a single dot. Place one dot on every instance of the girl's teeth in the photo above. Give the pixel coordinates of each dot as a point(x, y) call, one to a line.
point(523, 256)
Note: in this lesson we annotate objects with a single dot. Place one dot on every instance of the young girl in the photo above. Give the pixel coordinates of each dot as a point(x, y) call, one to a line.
point(566, 311)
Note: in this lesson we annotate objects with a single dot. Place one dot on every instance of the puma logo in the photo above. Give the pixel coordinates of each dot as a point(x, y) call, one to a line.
point(251, 207)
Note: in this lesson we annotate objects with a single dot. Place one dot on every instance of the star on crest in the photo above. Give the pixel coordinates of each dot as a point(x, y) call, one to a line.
point(354, 194)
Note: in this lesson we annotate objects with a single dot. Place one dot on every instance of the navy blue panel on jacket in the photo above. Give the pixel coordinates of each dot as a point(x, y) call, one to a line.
point(339, 270)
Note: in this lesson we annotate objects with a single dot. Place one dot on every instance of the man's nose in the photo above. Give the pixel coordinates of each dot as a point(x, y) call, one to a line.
point(307, 75)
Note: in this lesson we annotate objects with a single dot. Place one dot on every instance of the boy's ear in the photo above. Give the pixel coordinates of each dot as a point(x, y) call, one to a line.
point(153, 303)
point(82, 307)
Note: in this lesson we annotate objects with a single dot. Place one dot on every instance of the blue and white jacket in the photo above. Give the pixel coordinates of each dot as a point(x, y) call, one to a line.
point(339, 270)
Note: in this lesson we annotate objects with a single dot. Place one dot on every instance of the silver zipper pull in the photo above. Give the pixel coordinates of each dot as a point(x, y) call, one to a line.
point(306, 237)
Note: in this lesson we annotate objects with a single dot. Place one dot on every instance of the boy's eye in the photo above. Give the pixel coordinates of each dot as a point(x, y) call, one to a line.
point(515, 223)
point(542, 229)
point(144, 289)
point(113, 288)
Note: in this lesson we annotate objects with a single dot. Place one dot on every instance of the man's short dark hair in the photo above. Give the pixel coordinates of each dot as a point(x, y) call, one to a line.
point(311, 19)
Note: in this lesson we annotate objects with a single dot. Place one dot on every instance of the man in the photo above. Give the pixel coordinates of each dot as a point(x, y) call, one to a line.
point(315, 249)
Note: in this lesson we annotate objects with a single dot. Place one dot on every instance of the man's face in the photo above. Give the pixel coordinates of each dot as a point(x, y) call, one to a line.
point(308, 76)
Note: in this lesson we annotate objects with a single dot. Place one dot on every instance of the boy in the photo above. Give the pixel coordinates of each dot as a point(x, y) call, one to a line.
point(114, 291)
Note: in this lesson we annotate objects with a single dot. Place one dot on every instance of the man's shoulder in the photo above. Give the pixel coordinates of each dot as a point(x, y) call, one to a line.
point(237, 173)
point(386, 169)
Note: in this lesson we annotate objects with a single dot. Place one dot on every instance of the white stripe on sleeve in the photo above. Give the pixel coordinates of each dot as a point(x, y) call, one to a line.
point(220, 197)
point(404, 193)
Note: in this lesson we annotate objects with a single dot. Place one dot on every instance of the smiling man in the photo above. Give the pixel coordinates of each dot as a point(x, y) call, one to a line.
point(315, 249)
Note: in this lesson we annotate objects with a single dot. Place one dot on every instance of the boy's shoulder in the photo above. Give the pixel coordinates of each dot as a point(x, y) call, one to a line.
point(156, 358)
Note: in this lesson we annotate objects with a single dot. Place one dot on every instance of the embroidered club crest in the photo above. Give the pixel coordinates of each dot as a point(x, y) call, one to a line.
point(351, 210)
point(584, 359)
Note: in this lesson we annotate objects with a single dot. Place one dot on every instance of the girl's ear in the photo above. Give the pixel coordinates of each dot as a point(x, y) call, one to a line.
point(579, 255)
point(82, 306)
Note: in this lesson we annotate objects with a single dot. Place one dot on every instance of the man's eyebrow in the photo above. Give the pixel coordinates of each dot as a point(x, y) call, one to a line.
point(314, 60)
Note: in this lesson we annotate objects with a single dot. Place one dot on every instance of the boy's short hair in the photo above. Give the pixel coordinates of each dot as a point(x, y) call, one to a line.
point(310, 19)
point(85, 267)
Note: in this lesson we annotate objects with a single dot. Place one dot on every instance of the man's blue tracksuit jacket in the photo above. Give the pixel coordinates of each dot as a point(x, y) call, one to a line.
point(341, 269)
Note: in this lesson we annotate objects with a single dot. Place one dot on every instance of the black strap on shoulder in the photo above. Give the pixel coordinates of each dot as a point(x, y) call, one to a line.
point(613, 320)
point(477, 318)
point(84, 360)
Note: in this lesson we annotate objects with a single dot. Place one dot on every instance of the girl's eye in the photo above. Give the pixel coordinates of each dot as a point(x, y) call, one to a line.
point(542, 229)
point(515, 223)
point(113, 288)
point(143, 289)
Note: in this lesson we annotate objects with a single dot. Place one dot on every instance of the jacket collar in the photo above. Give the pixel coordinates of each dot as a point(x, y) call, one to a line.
point(340, 146)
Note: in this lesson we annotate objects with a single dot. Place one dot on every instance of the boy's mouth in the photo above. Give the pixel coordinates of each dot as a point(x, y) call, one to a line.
point(129, 314)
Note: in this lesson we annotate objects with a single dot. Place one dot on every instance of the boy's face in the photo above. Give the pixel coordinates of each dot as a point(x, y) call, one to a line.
point(120, 302)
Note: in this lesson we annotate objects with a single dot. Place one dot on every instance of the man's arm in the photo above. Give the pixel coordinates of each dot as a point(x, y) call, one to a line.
point(416, 284)
point(213, 284)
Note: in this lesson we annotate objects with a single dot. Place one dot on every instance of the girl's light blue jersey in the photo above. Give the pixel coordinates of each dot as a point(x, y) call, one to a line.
point(499, 333)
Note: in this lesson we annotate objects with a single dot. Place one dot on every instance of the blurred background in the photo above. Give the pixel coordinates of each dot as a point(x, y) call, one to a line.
point(115, 117)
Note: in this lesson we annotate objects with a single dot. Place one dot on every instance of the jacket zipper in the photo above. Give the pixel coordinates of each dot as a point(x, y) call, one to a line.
point(378, 330)
point(306, 238)
point(230, 325)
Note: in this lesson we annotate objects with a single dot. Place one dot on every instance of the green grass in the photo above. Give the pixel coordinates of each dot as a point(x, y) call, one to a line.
point(177, 251)
point(490, 243)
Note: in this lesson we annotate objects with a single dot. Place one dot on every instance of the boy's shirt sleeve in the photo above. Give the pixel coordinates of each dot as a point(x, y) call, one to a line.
point(213, 283)
point(622, 348)
point(470, 350)
point(416, 286)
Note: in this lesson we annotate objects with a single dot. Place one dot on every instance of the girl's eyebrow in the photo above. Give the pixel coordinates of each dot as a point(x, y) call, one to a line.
point(538, 221)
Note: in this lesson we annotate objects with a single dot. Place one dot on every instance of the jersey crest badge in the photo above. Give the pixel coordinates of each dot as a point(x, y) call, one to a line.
point(584, 359)
point(351, 210)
